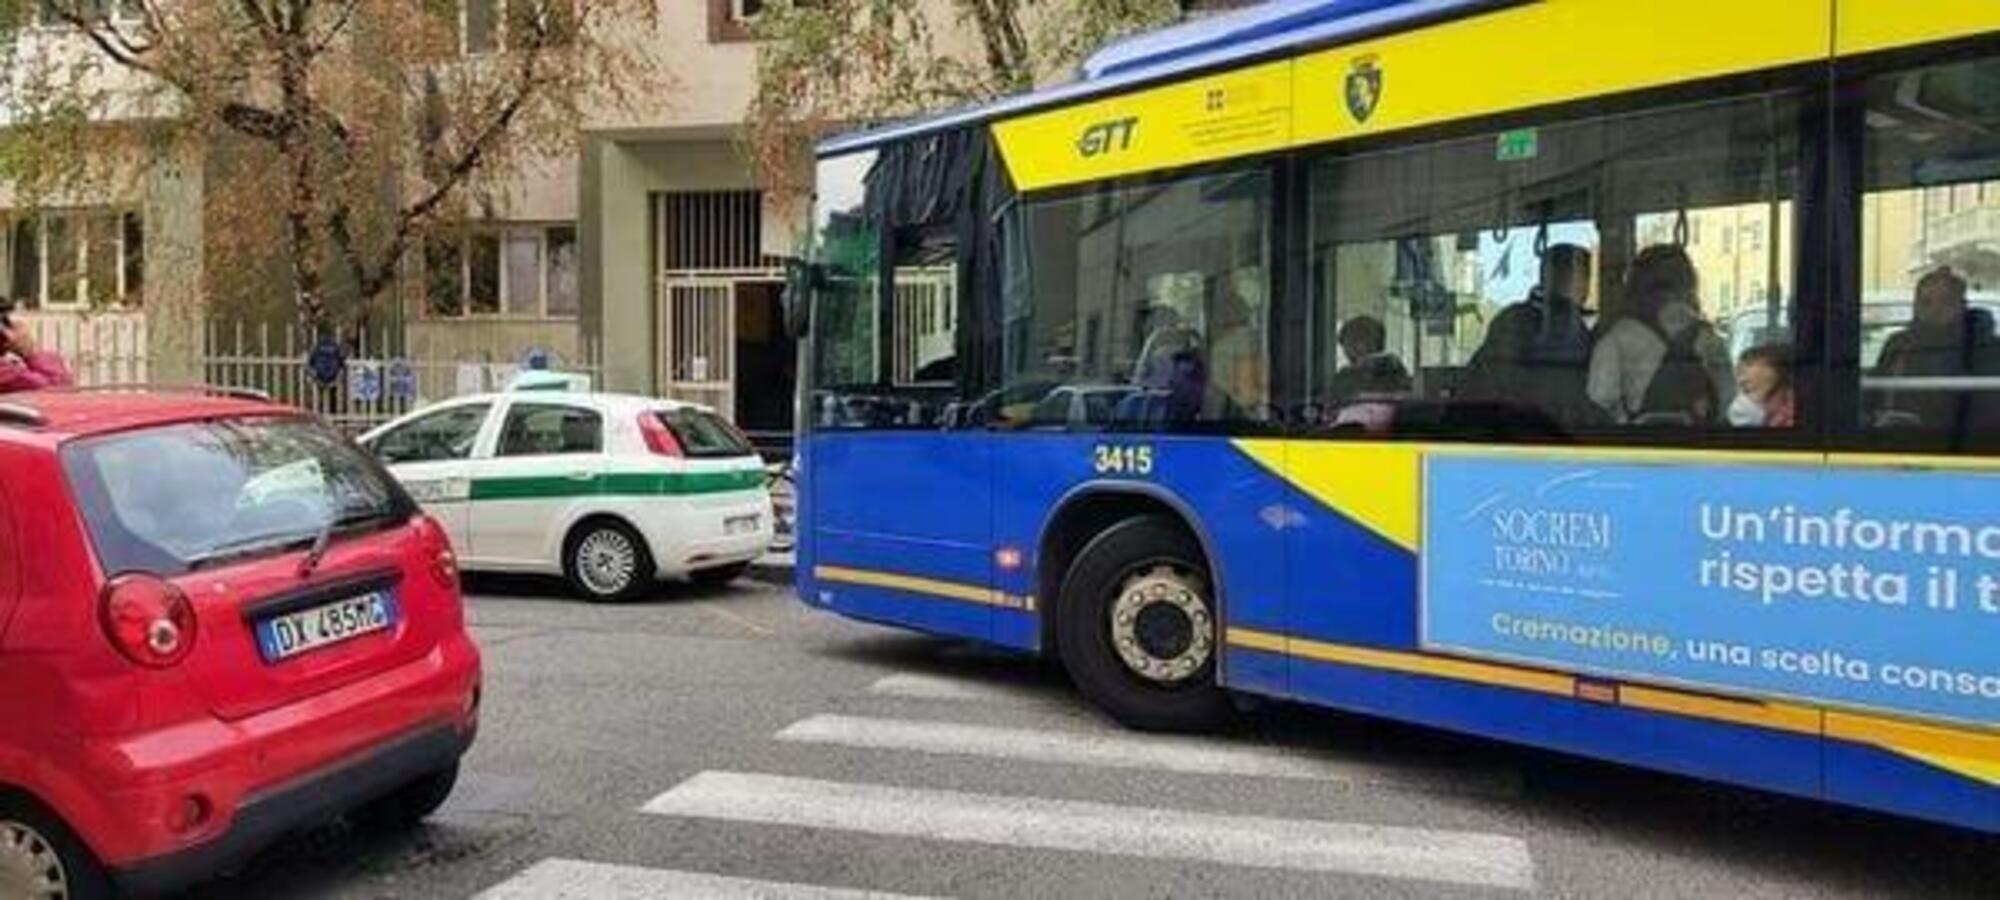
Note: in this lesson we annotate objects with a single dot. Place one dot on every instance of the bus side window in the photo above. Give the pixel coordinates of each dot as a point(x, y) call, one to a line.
point(1139, 308)
point(1553, 281)
point(1930, 282)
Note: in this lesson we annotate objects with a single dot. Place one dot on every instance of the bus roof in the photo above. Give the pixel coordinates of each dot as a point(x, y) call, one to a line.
point(1266, 30)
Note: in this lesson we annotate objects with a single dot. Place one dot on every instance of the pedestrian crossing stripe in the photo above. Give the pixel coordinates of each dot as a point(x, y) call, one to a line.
point(570, 879)
point(1016, 822)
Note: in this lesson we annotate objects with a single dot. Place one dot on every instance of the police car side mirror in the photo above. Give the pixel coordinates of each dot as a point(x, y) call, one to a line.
point(802, 281)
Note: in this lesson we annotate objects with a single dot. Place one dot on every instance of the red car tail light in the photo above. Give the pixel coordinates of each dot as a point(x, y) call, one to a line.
point(444, 569)
point(148, 620)
point(659, 438)
point(443, 562)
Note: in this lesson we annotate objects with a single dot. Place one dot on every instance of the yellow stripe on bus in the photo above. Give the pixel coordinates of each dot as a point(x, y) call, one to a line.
point(1374, 484)
point(949, 590)
point(1222, 116)
point(1867, 25)
point(1552, 52)
point(1521, 57)
point(1378, 484)
point(1409, 663)
point(1970, 753)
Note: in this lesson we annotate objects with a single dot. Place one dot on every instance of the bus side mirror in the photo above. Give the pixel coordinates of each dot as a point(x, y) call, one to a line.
point(802, 280)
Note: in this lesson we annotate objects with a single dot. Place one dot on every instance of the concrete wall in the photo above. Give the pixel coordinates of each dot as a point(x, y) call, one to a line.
point(615, 231)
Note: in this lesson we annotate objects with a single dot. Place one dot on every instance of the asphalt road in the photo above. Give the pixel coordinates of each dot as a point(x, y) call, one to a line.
point(718, 743)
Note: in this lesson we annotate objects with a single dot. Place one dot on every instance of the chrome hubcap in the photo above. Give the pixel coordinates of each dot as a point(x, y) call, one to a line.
point(1160, 626)
point(29, 867)
point(606, 562)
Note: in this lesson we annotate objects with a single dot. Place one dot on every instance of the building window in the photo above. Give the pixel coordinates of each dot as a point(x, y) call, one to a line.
point(517, 272)
point(561, 257)
point(480, 27)
point(74, 259)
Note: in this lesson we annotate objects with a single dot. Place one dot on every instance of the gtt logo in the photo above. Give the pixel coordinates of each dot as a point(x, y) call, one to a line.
point(1105, 137)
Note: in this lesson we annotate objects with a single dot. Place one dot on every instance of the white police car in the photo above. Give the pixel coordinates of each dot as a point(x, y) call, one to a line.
point(611, 491)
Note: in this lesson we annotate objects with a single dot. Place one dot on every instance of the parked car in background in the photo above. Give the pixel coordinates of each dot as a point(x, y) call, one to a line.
point(610, 491)
point(219, 622)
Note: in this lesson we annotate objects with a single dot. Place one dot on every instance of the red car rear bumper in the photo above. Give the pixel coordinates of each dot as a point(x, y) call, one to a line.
point(169, 807)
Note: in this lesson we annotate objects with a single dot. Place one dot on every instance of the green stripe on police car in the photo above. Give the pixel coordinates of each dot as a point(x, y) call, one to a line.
point(617, 484)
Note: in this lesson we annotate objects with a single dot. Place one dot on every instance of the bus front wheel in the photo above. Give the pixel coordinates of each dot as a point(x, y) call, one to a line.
point(1137, 628)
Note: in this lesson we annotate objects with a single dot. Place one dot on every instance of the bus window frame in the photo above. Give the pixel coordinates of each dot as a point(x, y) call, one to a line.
point(1847, 430)
point(1277, 170)
point(1806, 84)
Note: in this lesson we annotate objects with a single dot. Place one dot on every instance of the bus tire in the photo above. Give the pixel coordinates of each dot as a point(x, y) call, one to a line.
point(1137, 628)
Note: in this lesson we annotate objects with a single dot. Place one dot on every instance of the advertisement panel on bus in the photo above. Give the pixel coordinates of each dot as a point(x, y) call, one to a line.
point(1876, 589)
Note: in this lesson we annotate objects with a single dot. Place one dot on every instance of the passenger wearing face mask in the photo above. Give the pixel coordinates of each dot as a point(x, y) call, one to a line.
point(1660, 363)
point(1764, 396)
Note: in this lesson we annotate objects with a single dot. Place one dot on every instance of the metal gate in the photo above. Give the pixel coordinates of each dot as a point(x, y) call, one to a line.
point(698, 341)
point(709, 242)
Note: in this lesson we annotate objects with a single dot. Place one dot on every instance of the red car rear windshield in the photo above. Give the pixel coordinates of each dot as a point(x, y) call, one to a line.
point(170, 500)
point(703, 435)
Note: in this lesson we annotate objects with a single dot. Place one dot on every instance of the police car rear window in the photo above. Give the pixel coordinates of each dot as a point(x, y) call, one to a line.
point(704, 434)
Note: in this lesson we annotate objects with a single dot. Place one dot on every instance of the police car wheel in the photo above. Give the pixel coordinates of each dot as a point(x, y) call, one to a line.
point(1137, 629)
point(607, 561)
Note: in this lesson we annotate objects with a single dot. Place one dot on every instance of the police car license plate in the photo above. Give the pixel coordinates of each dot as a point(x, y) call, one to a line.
point(283, 637)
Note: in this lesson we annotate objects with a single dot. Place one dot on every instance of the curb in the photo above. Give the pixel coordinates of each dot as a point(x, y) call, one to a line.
point(774, 569)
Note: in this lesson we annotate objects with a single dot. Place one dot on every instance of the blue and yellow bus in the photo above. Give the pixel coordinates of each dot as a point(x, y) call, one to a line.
point(1496, 366)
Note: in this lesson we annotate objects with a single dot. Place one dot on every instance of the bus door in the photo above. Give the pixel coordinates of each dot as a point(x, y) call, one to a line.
point(899, 487)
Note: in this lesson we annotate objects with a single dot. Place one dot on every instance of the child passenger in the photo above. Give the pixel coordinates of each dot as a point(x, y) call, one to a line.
point(1764, 379)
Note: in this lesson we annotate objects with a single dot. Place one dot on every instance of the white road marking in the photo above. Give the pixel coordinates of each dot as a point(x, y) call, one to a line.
point(569, 879)
point(1068, 825)
point(933, 687)
point(1110, 751)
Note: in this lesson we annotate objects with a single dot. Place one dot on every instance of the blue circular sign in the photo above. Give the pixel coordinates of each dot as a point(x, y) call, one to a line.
point(326, 361)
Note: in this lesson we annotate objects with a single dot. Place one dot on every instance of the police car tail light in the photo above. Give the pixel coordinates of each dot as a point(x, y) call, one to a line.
point(659, 438)
point(148, 620)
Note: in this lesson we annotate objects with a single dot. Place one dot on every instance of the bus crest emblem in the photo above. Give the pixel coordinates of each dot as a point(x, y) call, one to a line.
point(1364, 88)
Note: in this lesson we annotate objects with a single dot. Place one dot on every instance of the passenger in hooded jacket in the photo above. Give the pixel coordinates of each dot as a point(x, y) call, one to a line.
point(1659, 361)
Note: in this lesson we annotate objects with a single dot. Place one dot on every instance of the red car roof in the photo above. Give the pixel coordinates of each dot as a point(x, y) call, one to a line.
point(79, 413)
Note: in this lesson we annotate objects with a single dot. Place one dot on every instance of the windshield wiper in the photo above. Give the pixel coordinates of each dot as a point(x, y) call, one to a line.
point(246, 547)
point(315, 540)
point(323, 539)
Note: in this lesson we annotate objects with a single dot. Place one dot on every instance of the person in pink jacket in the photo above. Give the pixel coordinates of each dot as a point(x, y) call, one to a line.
point(24, 365)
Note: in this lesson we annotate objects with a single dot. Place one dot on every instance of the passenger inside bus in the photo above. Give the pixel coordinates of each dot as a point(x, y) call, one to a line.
point(1365, 392)
point(1764, 398)
point(1659, 362)
point(1945, 338)
point(1372, 372)
point(1235, 343)
point(1537, 352)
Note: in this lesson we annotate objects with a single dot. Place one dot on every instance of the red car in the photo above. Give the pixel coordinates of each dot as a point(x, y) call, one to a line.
point(219, 623)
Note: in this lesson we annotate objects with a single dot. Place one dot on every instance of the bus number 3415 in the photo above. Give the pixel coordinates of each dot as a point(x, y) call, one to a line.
point(1108, 459)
